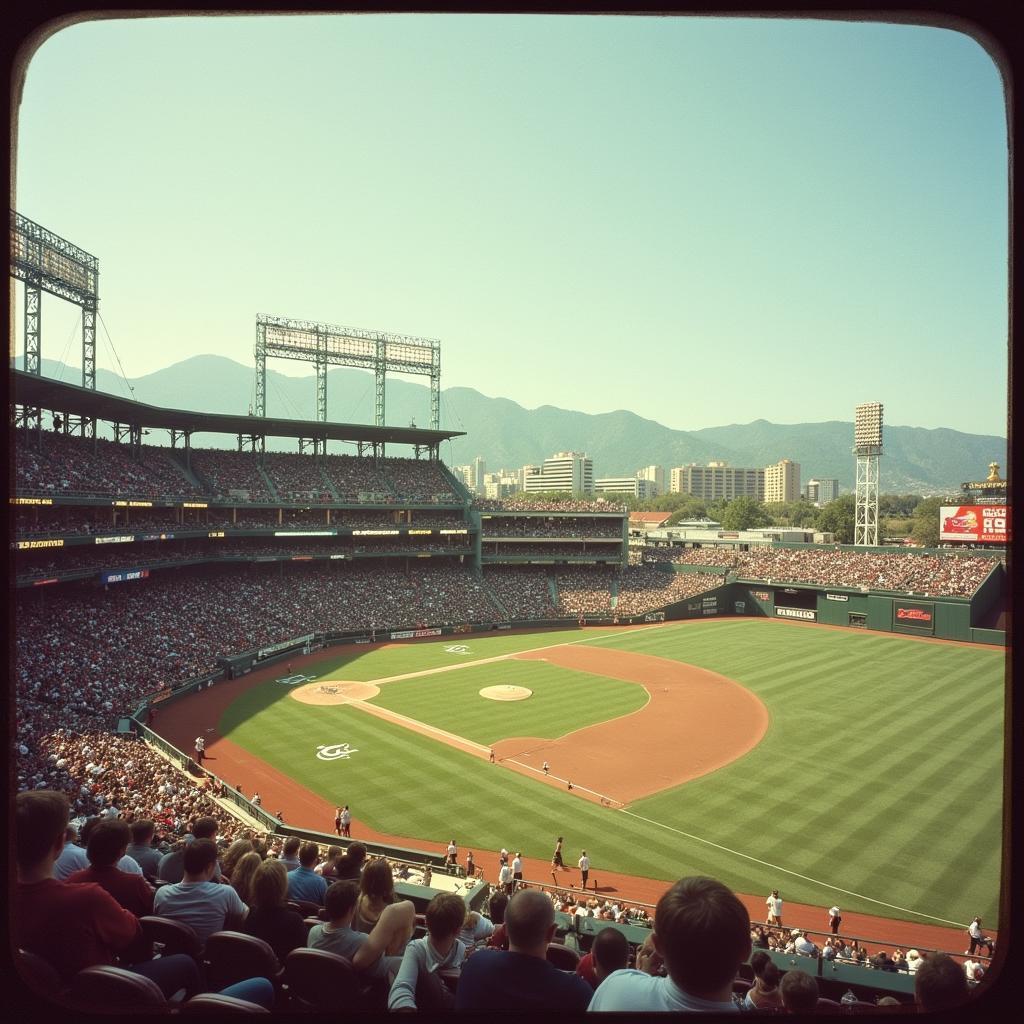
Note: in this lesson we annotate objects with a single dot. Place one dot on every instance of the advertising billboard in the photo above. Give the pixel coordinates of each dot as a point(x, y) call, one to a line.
point(975, 524)
point(913, 616)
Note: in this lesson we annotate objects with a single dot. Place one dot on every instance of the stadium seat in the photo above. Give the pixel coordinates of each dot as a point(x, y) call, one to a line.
point(104, 989)
point(231, 957)
point(828, 1006)
point(307, 908)
point(564, 958)
point(215, 1003)
point(38, 973)
point(169, 936)
point(740, 986)
point(323, 981)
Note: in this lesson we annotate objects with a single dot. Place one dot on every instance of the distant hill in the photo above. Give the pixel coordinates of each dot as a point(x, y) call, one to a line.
point(507, 435)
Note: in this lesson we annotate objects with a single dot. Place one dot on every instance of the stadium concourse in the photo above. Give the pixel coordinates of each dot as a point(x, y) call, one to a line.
point(142, 569)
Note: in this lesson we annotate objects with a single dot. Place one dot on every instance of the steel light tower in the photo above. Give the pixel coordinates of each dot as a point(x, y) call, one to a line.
point(867, 446)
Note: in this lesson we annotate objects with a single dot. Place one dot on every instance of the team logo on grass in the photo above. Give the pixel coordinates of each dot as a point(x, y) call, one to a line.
point(457, 649)
point(335, 751)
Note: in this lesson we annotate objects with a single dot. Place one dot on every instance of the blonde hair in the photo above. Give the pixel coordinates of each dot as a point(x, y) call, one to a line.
point(243, 874)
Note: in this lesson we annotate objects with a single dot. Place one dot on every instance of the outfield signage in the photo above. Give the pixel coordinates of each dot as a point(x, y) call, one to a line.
point(975, 524)
point(124, 575)
point(807, 614)
point(28, 545)
point(157, 536)
point(265, 652)
point(914, 616)
point(740, 607)
point(761, 595)
point(31, 501)
point(420, 533)
point(214, 534)
point(132, 504)
point(376, 533)
point(837, 597)
point(408, 634)
point(446, 532)
point(305, 533)
point(194, 504)
point(122, 539)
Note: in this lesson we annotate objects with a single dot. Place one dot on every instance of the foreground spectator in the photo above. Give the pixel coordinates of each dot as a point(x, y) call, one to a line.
point(243, 874)
point(799, 992)
point(204, 905)
point(367, 952)
point(270, 918)
point(107, 845)
point(349, 865)
point(521, 979)
point(609, 953)
point(764, 993)
point(702, 933)
point(939, 983)
point(377, 906)
point(417, 985)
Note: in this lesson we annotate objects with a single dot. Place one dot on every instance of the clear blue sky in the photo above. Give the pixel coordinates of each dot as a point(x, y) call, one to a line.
point(705, 221)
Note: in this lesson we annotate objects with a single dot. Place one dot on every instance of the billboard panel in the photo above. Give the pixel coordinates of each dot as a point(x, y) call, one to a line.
point(975, 524)
point(913, 616)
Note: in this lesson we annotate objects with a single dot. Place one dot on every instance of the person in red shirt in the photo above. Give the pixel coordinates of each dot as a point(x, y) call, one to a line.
point(107, 845)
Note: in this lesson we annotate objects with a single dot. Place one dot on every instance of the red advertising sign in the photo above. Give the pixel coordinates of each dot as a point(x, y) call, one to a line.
point(916, 614)
point(975, 524)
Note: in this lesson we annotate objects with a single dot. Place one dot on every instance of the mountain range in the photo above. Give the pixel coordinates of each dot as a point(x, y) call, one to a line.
point(505, 434)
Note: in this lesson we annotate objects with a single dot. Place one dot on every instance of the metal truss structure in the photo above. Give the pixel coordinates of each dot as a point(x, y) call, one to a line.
point(327, 344)
point(867, 446)
point(46, 262)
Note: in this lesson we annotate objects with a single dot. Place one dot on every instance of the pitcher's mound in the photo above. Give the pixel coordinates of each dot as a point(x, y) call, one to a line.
point(327, 692)
point(506, 692)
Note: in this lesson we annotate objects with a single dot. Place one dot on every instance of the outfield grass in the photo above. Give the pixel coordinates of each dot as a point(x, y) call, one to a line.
point(880, 773)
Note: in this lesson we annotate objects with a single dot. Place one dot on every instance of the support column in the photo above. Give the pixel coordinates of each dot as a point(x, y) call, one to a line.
point(33, 314)
point(261, 371)
point(435, 387)
point(379, 374)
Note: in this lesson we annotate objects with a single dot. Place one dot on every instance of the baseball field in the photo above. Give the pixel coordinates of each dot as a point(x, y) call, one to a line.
point(835, 765)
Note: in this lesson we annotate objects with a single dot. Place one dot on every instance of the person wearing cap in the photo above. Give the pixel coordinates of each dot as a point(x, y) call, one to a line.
point(774, 904)
point(978, 938)
point(834, 920)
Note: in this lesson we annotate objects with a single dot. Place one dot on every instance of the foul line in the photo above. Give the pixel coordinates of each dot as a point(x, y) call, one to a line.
point(786, 871)
point(604, 796)
point(388, 715)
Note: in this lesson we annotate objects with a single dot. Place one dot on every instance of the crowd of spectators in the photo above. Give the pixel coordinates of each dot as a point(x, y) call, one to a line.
point(353, 477)
point(642, 589)
point(585, 591)
point(535, 526)
point(230, 474)
point(524, 591)
point(552, 549)
point(297, 477)
point(54, 463)
point(418, 480)
point(521, 504)
point(720, 557)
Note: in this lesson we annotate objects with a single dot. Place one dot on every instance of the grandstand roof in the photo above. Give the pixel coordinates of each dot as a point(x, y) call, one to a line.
point(46, 393)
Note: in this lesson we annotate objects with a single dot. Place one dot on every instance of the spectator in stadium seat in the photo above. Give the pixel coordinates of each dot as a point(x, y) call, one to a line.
point(141, 848)
point(416, 985)
point(201, 903)
point(75, 926)
point(367, 952)
point(328, 868)
point(303, 882)
point(609, 953)
point(702, 933)
point(939, 983)
point(234, 853)
point(290, 852)
point(799, 992)
point(172, 865)
point(764, 993)
point(243, 874)
point(496, 909)
point(74, 858)
point(521, 979)
point(269, 917)
point(802, 944)
point(350, 863)
point(107, 846)
point(476, 930)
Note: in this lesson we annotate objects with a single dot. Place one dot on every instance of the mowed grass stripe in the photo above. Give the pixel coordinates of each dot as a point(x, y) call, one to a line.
point(835, 785)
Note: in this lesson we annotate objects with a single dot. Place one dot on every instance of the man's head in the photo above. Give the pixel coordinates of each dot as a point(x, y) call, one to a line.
point(799, 992)
point(497, 905)
point(290, 850)
point(357, 852)
point(702, 932)
point(108, 843)
point(309, 854)
point(142, 832)
point(530, 922)
point(199, 860)
point(445, 916)
point(40, 818)
point(611, 952)
point(940, 983)
point(340, 901)
point(205, 828)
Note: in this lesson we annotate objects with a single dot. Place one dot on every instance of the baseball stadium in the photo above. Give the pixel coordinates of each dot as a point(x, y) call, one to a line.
point(271, 639)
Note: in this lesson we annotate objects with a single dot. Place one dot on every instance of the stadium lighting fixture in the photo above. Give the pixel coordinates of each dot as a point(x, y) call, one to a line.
point(867, 446)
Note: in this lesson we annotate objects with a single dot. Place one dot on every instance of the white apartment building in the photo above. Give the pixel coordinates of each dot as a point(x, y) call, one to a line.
point(717, 481)
point(636, 486)
point(782, 481)
point(501, 484)
point(821, 492)
point(655, 477)
point(564, 471)
point(525, 473)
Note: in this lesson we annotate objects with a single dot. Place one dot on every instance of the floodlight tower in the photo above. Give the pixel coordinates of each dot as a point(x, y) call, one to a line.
point(867, 446)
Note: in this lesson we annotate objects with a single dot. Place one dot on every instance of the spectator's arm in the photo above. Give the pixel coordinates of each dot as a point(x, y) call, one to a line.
point(403, 990)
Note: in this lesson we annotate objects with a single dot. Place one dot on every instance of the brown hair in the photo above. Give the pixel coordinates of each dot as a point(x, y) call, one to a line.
point(41, 815)
point(243, 874)
point(234, 855)
point(445, 915)
point(269, 885)
point(377, 883)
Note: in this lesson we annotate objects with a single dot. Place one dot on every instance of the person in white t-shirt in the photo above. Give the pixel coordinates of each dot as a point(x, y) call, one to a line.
point(517, 869)
point(584, 864)
point(774, 904)
point(453, 854)
point(505, 878)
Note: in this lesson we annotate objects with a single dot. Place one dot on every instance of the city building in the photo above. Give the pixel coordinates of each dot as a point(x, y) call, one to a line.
point(564, 471)
point(655, 476)
point(501, 484)
point(782, 481)
point(639, 488)
point(479, 468)
point(717, 481)
point(525, 473)
point(821, 492)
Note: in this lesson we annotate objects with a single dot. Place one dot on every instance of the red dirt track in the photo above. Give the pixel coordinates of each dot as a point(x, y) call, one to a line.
point(180, 722)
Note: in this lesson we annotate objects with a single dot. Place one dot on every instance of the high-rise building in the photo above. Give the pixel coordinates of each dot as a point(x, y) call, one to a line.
point(464, 474)
point(564, 471)
point(782, 481)
point(655, 476)
point(479, 467)
point(638, 487)
point(717, 481)
point(501, 484)
point(821, 492)
point(525, 473)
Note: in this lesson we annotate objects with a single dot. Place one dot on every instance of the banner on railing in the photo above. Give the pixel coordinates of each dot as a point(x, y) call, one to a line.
point(265, 652)
point(409, 634)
